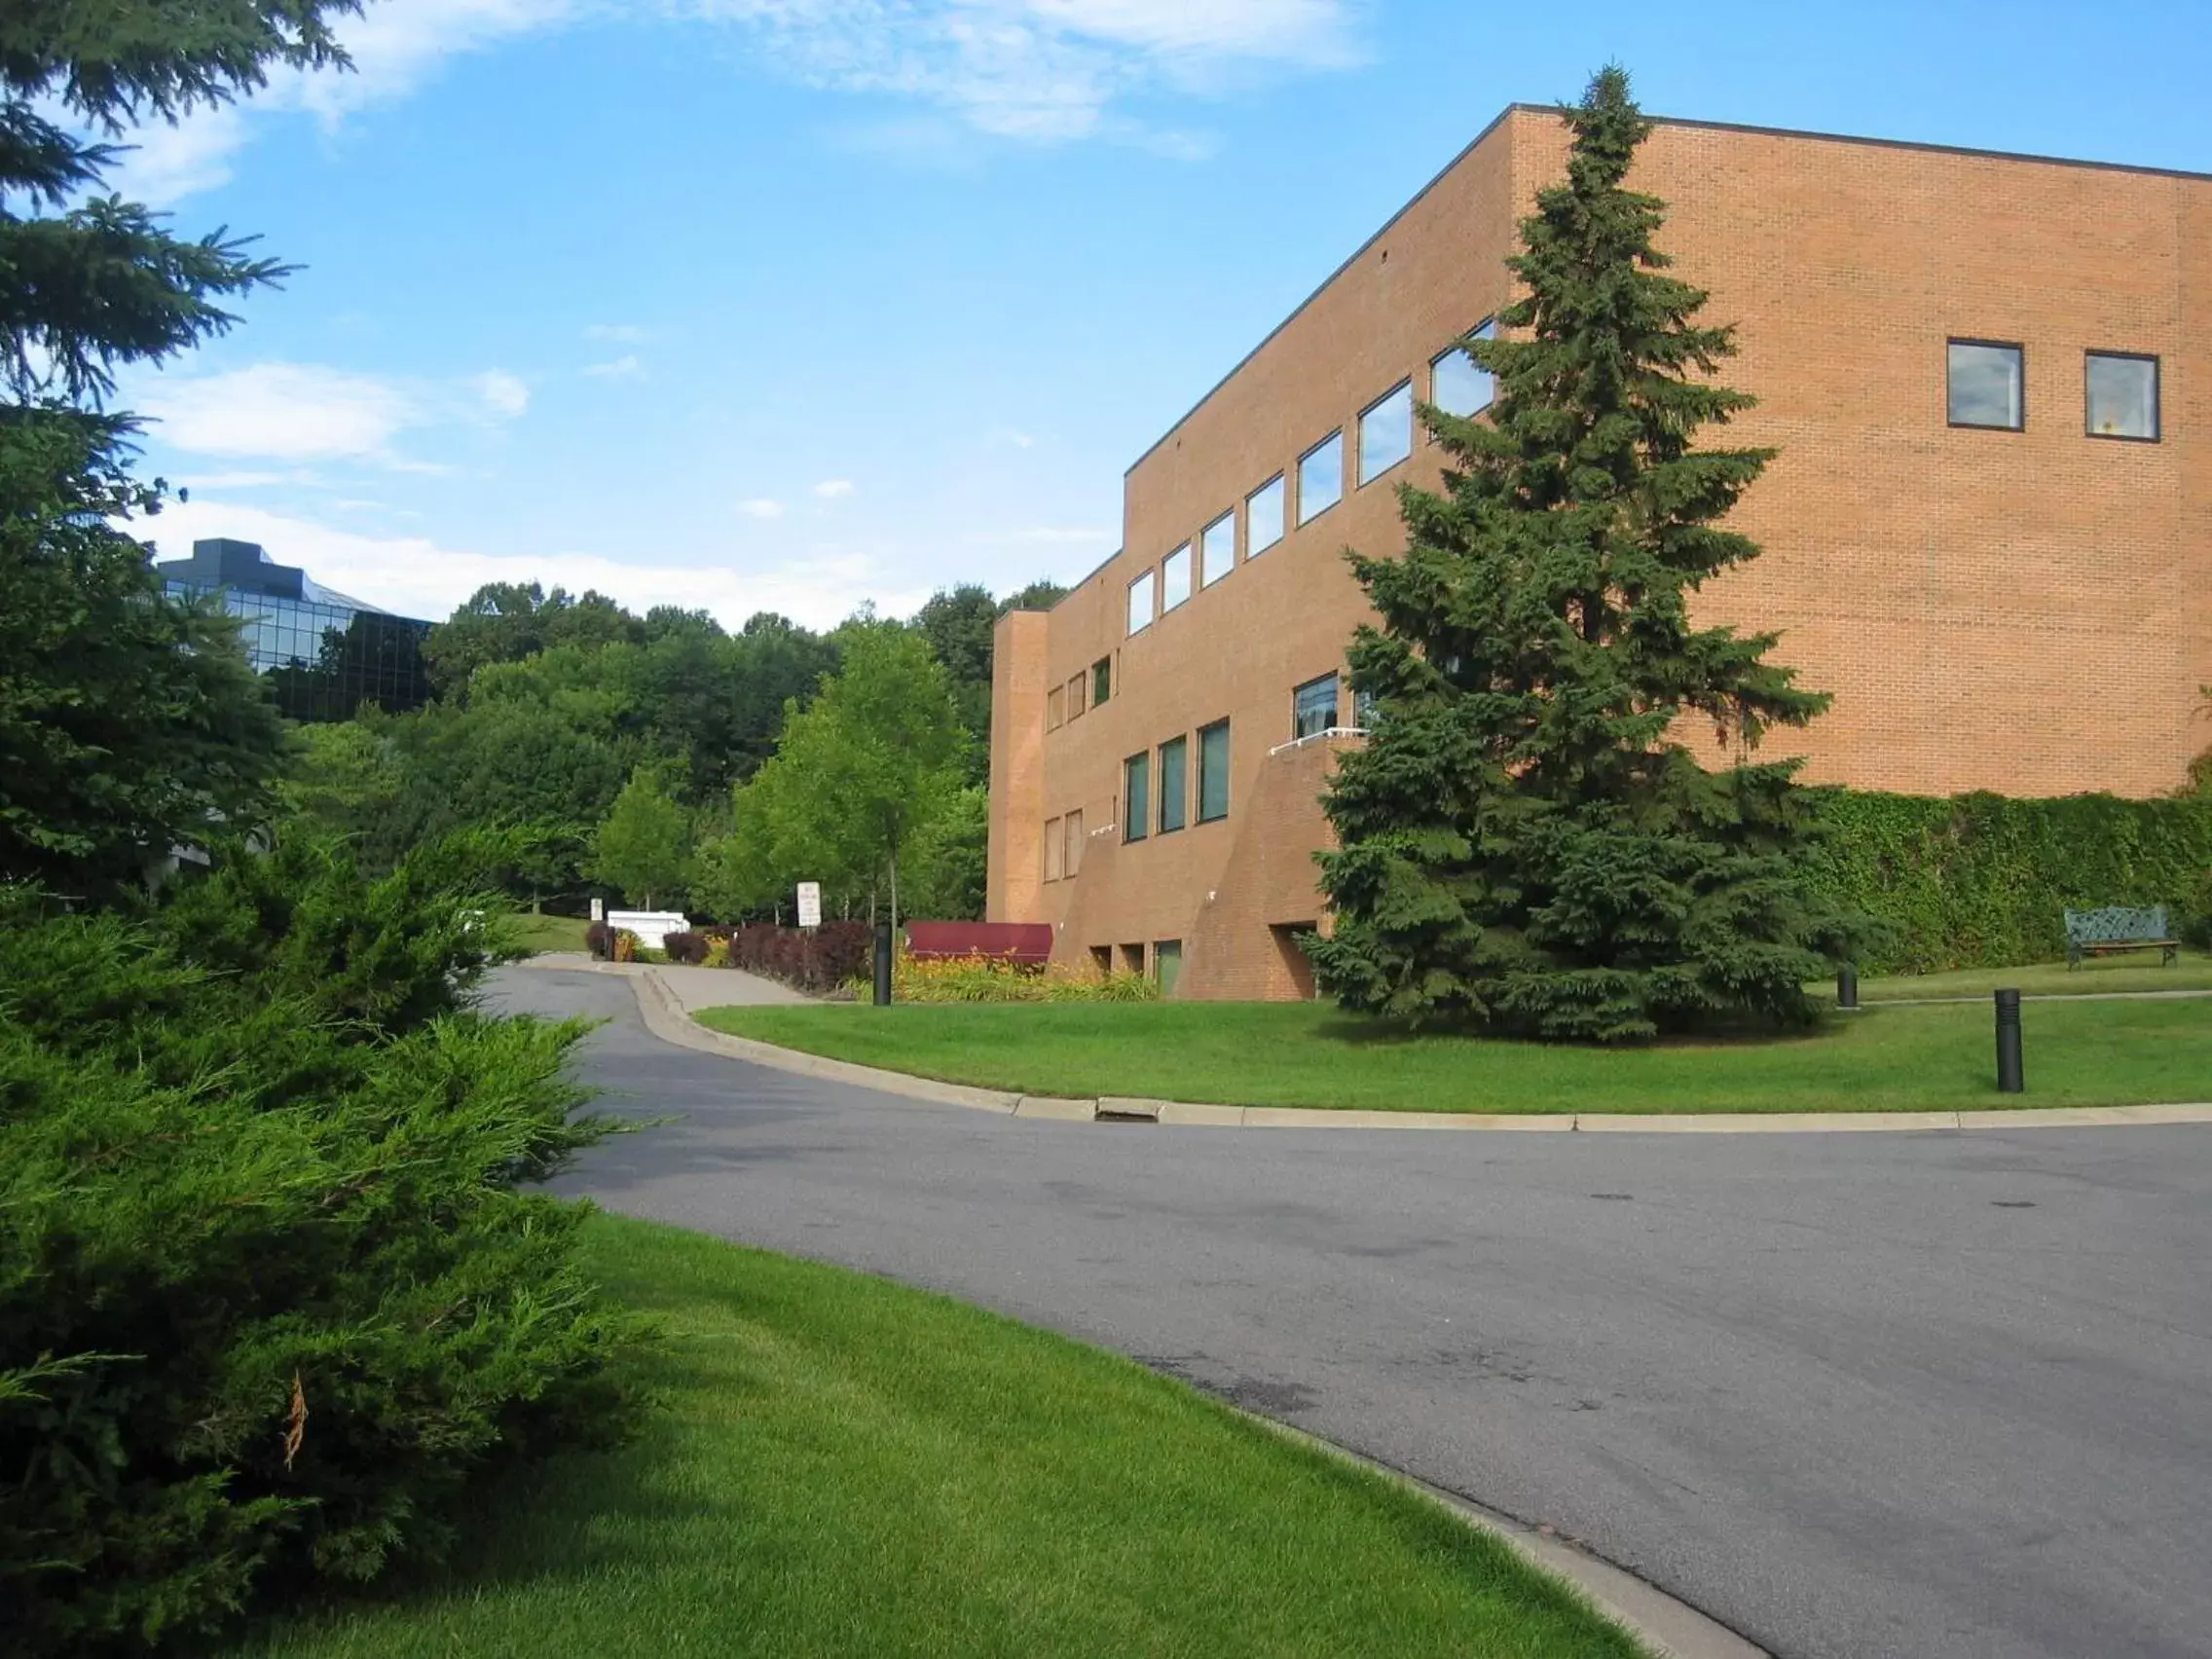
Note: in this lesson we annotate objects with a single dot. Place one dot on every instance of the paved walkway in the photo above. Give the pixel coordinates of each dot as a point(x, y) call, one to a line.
point(1904, 1396)
point(694, 988)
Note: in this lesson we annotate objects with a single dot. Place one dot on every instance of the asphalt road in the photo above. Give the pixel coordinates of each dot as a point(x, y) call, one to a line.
point(1934, 1396)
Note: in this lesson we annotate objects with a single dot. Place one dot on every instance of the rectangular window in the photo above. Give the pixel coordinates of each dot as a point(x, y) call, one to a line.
point(1140, 603)
point(1071, 863)
point(1320, 478)
point(1175, 579)
point(1136, 797)
point(1056, 847)
point(1174, 799)
point(2122, 395)
point(1263, 517)
point(1101, 681)
point(1217, 549)
point(1075, 697)
point(1213, 772)
point(1986, 379)
point(1167, 964)
point(1313, 707)
point(1056, 708)
point(1457, 383)
point(1387, 433)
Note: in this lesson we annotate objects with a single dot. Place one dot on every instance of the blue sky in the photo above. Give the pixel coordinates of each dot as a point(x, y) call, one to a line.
point(794, 303)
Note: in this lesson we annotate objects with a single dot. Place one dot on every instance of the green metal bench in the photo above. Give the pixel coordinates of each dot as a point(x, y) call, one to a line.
point(2117, 927)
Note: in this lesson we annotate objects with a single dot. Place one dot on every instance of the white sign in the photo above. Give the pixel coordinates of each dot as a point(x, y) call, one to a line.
point(651, 926)
point(599, 910)
point(810, 904)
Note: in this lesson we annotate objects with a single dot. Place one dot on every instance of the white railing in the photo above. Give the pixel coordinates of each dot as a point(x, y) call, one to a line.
point(1317, 737)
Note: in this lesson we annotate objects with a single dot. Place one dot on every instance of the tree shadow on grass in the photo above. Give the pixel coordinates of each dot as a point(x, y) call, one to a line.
point(1362, 1031)
point(570, 1518)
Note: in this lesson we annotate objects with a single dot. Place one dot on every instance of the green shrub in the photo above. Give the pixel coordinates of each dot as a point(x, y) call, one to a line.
point(986, 979)
point(272, 1296)
point(1983, 880)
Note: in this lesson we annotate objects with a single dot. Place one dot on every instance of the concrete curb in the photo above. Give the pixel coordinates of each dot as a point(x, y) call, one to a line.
point(666, 1019)
point(1667, 1628)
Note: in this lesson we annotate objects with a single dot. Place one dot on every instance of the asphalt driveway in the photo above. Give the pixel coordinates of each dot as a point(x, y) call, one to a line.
point(1936, 1396)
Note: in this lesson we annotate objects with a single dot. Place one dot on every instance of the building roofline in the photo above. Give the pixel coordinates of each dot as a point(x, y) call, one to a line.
point(1523, 108)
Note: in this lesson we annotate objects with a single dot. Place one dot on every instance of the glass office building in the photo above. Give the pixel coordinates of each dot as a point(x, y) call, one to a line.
point(325, 655)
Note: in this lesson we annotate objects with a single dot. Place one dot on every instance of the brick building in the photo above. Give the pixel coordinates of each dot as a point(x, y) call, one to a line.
point(1989, 531)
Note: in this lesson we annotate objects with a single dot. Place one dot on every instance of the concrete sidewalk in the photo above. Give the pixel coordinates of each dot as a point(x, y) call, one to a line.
point(693, 988)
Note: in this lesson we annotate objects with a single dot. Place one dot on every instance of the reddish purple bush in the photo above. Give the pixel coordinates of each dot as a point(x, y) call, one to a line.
point(599, 939)
point(817, 959)
point(688, 947)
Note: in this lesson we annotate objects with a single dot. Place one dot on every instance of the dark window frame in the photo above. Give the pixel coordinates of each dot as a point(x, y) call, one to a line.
point(1304, 517)
point(2019, 349)
point(1335, 704)
point(1203, 816)
point(1102, 681)
point(1458, 348)
point(1181, 797)
point(1136, 812)
point(2158, 396)
point(1361, 477)
point(1280, 482)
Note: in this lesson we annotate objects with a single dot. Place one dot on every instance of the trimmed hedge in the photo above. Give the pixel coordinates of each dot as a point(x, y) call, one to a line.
point(1982, 880)
point(812, 959)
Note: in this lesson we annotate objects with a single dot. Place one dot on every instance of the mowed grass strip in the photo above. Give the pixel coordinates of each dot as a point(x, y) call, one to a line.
point(2137, 971)
point(841, 1466)
point(1885, 1059)
point(537, 934)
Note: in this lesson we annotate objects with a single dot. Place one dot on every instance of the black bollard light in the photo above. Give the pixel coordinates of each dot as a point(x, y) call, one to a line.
point(1847, 986)
point(883, 964)
point(2008, 1080)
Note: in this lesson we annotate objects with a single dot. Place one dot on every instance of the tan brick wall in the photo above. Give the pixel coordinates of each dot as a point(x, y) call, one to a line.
point(1014, 852)
point(2022, 611)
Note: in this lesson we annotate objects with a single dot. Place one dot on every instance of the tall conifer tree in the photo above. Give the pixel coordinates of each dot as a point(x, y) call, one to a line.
point(1525, 845)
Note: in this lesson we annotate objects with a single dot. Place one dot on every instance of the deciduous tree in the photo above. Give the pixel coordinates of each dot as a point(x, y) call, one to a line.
point(644, 846)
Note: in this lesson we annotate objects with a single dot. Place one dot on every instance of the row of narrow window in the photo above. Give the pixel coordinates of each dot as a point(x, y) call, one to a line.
point(1145, 813)
point(1987, 387)
point(1086, 691)
point(1155, 797)
point(1457, 385)
point(1987, 380)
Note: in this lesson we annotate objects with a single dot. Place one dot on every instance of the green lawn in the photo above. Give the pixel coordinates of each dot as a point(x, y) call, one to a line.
point(2139, 971)
point(539, 934)
point(1308, 1054)
point(843, 1467)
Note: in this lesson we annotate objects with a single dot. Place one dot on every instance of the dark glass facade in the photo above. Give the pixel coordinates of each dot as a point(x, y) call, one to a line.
point(325, 655)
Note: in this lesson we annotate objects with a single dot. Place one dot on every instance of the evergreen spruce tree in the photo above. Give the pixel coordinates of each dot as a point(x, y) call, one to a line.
point(1524, 846)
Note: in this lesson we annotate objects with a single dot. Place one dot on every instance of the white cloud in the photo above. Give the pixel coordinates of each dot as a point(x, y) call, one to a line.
point(240, 480)
point(1010, 437)
point(1037, 69)
point(394, 45)
point(502, 394)
point(168, 162)
point(416, 577)
point(761, 507)
point(311, 412)
point(625, 333)
point(281, 411)
point(1042, 70)
point(830, 489)
point(625, 367)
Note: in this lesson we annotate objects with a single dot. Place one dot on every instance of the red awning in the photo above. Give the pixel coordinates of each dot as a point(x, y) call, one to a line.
point(1028, 943)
